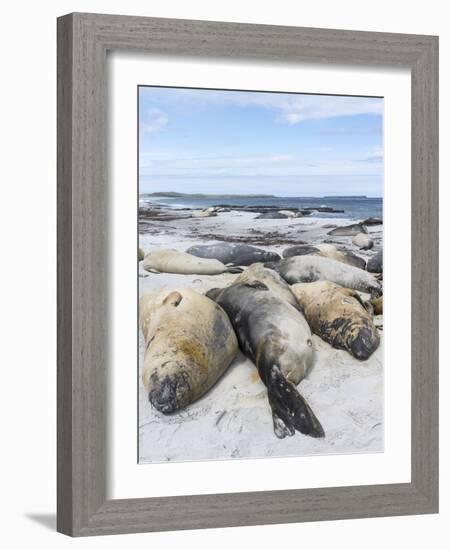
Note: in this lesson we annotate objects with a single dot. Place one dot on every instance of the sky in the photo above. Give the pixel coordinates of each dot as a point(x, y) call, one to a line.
point(222, 141)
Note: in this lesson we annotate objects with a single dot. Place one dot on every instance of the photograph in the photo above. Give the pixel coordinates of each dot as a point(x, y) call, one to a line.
point(260, 274)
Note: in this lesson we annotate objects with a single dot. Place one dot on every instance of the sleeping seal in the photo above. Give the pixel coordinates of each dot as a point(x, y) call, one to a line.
point(327, 251)
point(338, 316)
point(189, 344)
point(375, 264)
point(271, 215)
point(276, 337)
point(348, 230)
point(307, 269)
point(362, 241)
point(233, 253)
point(273, 281)
point(173, 261)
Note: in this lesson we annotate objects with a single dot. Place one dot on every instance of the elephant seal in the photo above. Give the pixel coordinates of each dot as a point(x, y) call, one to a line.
point(173, 261)
point(307, 269)
point(288, 213)
point(189, 343)
point(141, 254)
point(348, 230)
point(327, 251)
point(203, 213)
point(277, 338)
point(362, 241)
point(270, 278)
point(372, 221)
point(271, 216)
point(233, 253)
point(338, 316)
point(375, 264)
point(377, 304)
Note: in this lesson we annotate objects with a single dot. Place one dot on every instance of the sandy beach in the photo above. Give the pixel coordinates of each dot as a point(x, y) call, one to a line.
point(233, 420)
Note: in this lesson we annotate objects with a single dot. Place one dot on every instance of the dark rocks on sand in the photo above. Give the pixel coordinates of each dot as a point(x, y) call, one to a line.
point(348, 230)
point(375, 264)
point(233, 253)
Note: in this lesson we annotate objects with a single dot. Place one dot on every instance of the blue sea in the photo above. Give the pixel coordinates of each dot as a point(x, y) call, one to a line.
point(355, 208)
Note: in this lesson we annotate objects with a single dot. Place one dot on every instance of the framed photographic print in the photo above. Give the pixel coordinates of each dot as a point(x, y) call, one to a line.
point(247, 274)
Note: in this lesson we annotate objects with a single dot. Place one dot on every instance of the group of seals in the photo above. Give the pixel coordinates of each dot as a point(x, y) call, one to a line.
point(189, 343)
point(268, 311)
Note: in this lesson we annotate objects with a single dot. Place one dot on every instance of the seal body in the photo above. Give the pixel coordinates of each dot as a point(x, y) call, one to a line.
point(375, 264)
point(362, 241)
point(141, 254)
point(277, 338)
point(348, 230)
point(272, 216)
point(338, 316)
point(189, 344)
point(327, 251)
point(174, 261)
point(270, 278)
point(233, 253)
point(307, 269)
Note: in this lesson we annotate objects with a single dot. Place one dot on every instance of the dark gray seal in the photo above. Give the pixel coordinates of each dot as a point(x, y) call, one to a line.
point(233, 253)
point(348, 230)
point(272, 216)
point(277, 338)
point(372, 221)
point(375, 264)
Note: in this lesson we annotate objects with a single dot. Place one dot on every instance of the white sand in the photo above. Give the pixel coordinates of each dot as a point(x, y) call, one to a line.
point(233, 420)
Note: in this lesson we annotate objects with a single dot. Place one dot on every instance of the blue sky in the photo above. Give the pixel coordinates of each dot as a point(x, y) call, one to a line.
point(218, 141)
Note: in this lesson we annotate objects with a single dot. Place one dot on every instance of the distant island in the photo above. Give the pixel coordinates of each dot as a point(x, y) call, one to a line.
point(204, 195)
point(344, 197)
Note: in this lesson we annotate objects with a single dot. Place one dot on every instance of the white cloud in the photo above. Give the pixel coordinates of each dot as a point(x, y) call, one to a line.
point(153, 120)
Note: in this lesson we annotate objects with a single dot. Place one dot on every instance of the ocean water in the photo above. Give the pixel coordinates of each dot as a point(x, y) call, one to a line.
point(355, 208)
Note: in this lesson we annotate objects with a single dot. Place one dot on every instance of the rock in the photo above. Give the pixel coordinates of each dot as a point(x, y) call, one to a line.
point(348, 230)
point(363, 241)
point(375, 264)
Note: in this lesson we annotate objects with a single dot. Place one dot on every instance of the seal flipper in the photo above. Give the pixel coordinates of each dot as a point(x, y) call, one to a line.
point(290, 410)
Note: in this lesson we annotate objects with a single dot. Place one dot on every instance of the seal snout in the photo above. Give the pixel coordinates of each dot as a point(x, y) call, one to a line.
point(170, 395)
point(364, 344)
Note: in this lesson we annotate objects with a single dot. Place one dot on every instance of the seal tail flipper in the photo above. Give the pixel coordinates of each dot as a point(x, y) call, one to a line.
point(290, 410)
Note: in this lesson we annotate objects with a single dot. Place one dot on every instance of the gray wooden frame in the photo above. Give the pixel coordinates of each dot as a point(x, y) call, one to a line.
point(83, 41)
